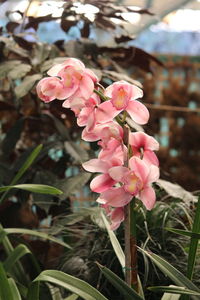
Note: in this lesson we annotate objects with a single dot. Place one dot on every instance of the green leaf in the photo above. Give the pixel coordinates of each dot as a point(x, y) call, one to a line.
point(184, 232)
point(14, 290)
point(5, 290)
point(38, 234)
point(19, 71)
point(194, 242)
point(7, 66)
point(176, 276)
point(26, 85)
point(34, 188)
point(71, 297)
point(173, 290)
point(115, 243)
point(176, 191)
point(120, 285)
point(71, 283)
point(26, 164)
point(33, 291)
point(168, 296)
point(14, 256)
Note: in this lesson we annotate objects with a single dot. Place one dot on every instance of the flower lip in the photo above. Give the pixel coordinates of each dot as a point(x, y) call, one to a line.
point(132, 184)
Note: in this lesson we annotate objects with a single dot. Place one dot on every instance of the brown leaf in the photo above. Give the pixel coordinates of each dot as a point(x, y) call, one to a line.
point(67, 24)
point(85, 31)
point(10, 26)
point(104, 22)
point(23, 43)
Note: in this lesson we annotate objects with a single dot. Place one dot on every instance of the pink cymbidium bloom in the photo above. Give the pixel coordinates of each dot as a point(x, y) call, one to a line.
point(101, 182)
point(116, 215)
point(87, 116)
point(113, 148)
point(77, 80)
point(136, 181)
point(50, 88)
point(122, 98)
point(143, 145)
point(103, 132)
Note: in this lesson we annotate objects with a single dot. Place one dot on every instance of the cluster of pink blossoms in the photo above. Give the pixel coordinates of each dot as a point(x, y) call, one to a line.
point(96, 109)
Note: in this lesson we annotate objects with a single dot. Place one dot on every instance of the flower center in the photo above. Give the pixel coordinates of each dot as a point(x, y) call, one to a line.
point(119, 99)
point(132, 184)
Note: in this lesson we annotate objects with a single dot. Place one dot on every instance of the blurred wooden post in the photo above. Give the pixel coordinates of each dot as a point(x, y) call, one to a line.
point(130, 232)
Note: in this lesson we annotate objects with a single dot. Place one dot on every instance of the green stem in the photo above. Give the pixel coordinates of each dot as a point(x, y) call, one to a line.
point(101, 95)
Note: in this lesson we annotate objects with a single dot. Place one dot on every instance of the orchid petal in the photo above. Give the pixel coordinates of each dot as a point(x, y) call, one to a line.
point(101, 183)
point(140, 168)
point(96, 165)
point(117, 173)
point(106, 112)
point(116, 197)
point(148, 197)
point(138, 112)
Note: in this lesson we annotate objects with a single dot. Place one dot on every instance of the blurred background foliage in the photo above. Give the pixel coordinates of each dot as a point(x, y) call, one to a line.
point(171, 93)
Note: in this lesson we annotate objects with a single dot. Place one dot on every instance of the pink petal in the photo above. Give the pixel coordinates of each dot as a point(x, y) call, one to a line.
point(148, 197)
point(117, 173)
point(136, 92)
point(96, 165)
point(150, 158)
point(154, 174)
point(54, 70)
point(89, 136)
point(86, 86)
point(91, 74)
point(106, 112)
point(138, 112)
point(116, 197)
point(140, 168)
point(101, 183)
point(116, 217)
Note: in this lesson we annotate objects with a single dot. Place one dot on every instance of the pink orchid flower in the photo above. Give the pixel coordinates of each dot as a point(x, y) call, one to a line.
point(77, 80)
point(103, 132)
point(116, 215)
point(136, 181)
point(113, 148)
point(50, 88)
point(87, 116)
point(143, 145)
point(122, 98)
point(104, 181)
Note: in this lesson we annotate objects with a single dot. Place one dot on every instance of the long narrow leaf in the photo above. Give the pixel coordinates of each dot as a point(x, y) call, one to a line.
point(5, 290)
point(27, 164)
point(22, 170)
point(193, 242)
point(34, 188)
point(120, 285)
point(71, 283)
point(115, 243)
point(71, 297)
point(39, 234)
point(173, 290)
point(14, 290)
point(33, 291)
point(176, 276)
point(184, 232)
point(17, 270)
point(15, 255)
